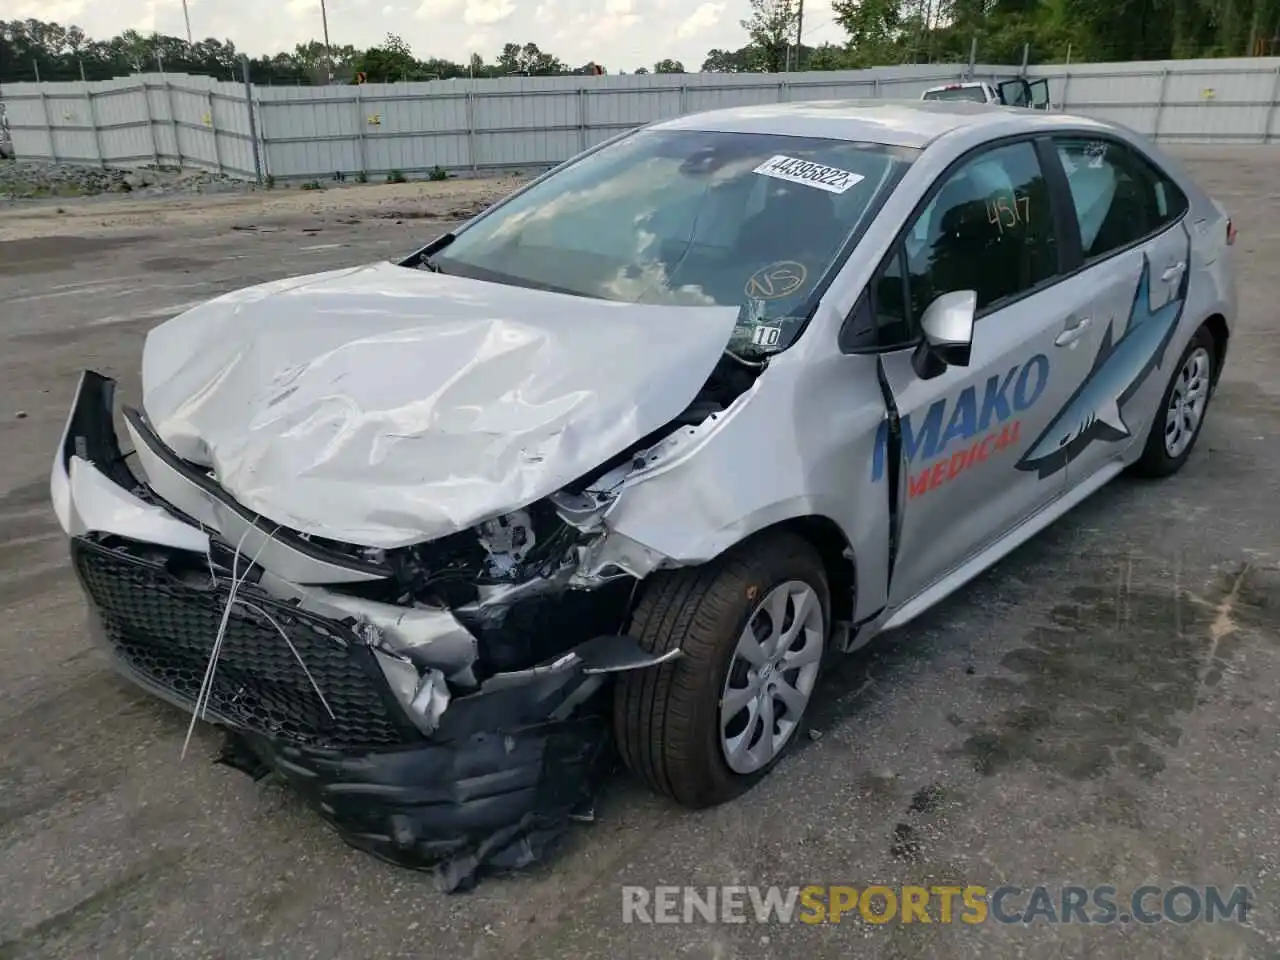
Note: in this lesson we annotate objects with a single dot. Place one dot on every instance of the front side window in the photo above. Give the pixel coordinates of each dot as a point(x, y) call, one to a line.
point(691, 218)
point(988, 228)
point(1119, 198)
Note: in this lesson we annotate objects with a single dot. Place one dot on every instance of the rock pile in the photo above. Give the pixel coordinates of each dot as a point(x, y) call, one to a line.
point(31, 179)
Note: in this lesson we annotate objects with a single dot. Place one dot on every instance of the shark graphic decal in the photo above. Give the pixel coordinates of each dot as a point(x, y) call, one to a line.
point(1120, 369)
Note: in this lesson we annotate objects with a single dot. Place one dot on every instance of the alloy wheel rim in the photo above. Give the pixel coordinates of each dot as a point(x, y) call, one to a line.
point(771, 676)
point(1187, 402)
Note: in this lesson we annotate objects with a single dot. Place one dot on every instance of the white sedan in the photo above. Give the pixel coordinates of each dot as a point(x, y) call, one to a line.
point(627, 457)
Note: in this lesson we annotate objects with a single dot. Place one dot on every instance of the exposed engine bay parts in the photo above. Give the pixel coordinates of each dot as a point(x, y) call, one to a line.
point(443, 704)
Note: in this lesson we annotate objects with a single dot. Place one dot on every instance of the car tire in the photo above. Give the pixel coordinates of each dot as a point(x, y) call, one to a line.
point(667, 719)
point(1197, 366)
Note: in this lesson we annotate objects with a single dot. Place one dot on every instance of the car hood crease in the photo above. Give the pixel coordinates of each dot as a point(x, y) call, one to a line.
point(383, 406)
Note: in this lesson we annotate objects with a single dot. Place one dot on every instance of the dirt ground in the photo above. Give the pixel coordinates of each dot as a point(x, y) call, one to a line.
point(1099, 708)
point(104, 215)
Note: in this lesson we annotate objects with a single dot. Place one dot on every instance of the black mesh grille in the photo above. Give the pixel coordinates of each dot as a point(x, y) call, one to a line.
point(163, 628)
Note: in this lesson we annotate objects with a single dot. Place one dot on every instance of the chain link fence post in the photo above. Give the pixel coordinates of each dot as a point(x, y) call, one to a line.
point(1271, 108)
point(253, 123)
point(1164, 86)
point(93, 126)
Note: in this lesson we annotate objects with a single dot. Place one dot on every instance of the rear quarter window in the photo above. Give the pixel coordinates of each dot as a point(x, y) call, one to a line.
point(1119, 196)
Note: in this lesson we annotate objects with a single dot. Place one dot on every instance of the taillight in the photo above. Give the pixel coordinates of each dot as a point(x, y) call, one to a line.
point(1231, 232)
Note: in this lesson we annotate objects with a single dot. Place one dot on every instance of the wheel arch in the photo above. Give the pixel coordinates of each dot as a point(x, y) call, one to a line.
point(1217, 326)
point(832, 547)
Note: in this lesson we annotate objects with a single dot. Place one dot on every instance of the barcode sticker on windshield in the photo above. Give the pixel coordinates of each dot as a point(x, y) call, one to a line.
point(795, 170)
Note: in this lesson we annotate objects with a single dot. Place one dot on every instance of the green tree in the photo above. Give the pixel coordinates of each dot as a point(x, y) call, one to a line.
point(743, 60)
point(515, 58)
point(827, 56)
point(874, 28)
point(390, 62)
point(667, 66)
point(772, 29)
point(60, 52)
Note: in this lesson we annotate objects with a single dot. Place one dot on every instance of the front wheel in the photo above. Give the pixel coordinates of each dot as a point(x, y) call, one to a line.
point(752, 626)
point(1176, 424)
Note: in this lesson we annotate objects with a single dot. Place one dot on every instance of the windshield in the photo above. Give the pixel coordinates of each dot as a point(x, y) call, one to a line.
point(689, 218)
point(958, 93)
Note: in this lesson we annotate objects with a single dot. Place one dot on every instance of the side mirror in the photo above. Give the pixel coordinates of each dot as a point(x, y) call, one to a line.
point(947, 328)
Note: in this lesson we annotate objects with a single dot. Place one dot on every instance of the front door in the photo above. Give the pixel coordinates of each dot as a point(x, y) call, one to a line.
point(990, 228)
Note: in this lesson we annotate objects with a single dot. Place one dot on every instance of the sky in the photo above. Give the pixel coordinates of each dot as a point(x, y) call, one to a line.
point(619, 34)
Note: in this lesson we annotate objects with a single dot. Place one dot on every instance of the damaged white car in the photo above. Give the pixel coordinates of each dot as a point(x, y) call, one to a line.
point(622, 459)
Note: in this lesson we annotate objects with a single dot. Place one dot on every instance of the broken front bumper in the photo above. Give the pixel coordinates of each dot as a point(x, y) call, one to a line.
point(307, 684)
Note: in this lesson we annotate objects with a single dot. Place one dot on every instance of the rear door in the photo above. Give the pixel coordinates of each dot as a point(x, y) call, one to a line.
point(991, 224)
point(1135, 253)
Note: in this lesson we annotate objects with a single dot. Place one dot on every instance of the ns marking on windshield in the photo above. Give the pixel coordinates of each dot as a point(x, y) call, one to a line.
point(776, 280)
point(795, 170)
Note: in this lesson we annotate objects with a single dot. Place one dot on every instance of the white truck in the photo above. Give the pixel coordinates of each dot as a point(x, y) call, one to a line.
point(1018, 92)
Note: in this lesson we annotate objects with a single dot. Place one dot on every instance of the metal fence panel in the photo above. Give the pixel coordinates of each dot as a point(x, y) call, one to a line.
point(1220, 100)
point(531, 122)
point(28, 123)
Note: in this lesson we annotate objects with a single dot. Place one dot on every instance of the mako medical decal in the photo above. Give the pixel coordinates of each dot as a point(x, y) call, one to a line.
point(979, 426)
point(1118, 371)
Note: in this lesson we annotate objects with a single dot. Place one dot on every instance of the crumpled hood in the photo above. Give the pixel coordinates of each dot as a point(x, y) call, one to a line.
point(384, 405)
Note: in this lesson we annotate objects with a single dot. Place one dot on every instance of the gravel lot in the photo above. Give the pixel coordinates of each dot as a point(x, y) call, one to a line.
point(194, 216)
point(1098, 709)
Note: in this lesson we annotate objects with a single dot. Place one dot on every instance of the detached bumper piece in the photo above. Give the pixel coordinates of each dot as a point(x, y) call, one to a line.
point(491, 803)
point(491, 788)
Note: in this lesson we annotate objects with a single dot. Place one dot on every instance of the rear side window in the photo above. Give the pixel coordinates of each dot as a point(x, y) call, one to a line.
point(1119, 197)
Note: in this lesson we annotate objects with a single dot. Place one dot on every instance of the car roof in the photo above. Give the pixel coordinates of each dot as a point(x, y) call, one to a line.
point(899, 123)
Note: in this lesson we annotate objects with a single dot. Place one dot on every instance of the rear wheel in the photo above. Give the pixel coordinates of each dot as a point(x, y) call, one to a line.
point(752, 626)
point(1176, 425)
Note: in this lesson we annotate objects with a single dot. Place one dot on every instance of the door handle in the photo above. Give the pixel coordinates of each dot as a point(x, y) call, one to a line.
point(1073, 332)
point(1173, 272)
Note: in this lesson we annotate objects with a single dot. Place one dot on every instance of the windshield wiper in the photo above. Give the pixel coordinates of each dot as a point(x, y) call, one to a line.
point(423, 261)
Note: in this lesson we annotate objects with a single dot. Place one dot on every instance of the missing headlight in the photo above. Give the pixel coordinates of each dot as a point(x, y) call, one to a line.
point(507, 540)
point(525, 544)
